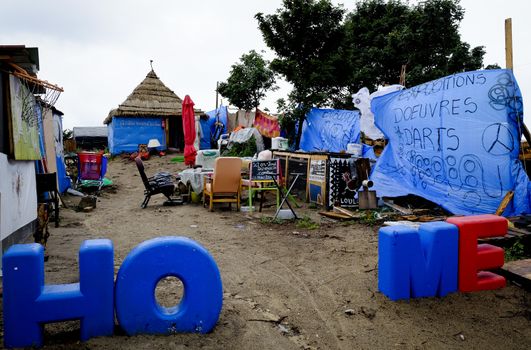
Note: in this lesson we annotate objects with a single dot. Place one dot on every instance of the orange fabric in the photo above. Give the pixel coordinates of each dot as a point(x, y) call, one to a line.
point(266, 124)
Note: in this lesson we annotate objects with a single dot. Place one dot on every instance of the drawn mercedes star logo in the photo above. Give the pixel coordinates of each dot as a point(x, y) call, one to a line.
point(498, 139)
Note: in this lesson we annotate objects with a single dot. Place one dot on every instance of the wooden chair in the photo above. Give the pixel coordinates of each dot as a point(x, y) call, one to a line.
point(47, 183)
point(223, 186)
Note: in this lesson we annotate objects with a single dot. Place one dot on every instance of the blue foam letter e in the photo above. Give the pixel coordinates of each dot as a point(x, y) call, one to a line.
point(418, 263)
point(28, 303)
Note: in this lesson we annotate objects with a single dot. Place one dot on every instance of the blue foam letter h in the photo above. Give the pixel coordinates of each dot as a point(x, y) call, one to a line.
point(418, 263)
point(28, 303)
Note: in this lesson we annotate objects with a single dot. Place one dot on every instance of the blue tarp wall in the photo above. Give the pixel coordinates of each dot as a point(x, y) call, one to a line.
point(329, 130)
point(126, 133)
point(454, 141)
point(208, 126)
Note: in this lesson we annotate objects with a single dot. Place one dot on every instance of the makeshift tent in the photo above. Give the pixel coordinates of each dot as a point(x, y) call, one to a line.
point(454, 141)
point(151, 111)
point(63, 181)
point(330, 130)
point(213, 125)
point(91, 138)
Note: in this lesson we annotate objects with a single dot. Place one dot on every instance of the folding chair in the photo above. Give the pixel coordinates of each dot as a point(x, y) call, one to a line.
point(161, 183)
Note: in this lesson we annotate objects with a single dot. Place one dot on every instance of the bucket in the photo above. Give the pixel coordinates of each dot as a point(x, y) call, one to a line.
point(279, 143)
point(355, 149)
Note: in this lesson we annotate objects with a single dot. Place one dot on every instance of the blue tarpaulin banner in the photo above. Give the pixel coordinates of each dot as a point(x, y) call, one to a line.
point(211, 131)
point(454, 141)
point(330, 130)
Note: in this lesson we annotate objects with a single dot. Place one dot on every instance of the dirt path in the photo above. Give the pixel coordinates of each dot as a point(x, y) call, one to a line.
point(284, 287)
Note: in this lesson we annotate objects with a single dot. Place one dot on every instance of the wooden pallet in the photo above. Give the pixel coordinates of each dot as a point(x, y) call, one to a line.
point(518, 271)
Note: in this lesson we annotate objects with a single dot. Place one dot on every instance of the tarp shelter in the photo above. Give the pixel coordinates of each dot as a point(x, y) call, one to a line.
point(151, 111)
point(213, 125)
point(89, 138)
point(330, 130)
point(454, 141)
point(51, 143)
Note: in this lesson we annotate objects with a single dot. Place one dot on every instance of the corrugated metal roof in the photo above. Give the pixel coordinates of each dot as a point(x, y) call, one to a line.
point(90, 131)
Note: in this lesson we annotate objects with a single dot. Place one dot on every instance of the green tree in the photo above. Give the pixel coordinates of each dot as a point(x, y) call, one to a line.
point(248, 81)
point(307, 37)
point(382, 36)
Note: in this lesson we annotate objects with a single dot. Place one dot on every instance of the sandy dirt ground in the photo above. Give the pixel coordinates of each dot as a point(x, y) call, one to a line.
point(284, 287)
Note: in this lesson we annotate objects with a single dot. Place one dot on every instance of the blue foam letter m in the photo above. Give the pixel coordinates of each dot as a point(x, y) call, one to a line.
point(418, 263)
point(28, 303)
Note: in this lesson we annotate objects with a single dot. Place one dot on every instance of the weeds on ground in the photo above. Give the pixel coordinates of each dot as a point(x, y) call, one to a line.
point(307, 223)
point(515, 252)
point(370, 218)
point(267, 220)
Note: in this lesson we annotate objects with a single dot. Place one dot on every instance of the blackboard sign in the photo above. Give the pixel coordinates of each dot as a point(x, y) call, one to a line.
point(261, 169)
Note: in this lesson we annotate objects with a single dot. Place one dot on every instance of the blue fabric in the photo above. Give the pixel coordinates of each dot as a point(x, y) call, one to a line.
point(208, 127)
point(126, 133)
point(329, 130)
point(454, 141)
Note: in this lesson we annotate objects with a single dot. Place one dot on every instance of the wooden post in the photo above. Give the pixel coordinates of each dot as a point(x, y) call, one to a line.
point(509, 65)
point(509, 43)
point(217, 87)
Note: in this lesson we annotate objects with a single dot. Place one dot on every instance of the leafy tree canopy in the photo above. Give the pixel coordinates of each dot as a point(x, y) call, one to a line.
point(248, 81)
point(384, 35)
point(327, 54)
point(306, 36)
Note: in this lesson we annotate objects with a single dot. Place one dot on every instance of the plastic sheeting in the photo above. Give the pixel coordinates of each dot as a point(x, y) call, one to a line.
point(63, 181)
point(329, 130)
point(362, 101)
point(211, 131)
point(454, 141)
point(126, 133)
point(242, 135)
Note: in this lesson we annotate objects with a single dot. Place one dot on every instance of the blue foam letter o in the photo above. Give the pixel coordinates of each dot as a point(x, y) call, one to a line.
point(136, 307)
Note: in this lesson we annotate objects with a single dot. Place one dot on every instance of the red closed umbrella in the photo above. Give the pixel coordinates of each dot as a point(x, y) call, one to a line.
point(189, 131)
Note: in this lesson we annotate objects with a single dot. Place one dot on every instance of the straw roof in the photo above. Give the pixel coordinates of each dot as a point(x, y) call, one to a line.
point(151, 98)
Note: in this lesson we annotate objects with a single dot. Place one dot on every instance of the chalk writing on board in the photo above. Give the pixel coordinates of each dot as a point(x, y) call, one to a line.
point(262, 169)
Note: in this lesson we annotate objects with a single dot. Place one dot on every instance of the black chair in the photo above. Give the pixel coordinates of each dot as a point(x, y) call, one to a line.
point(47, 183)
point(160, 183)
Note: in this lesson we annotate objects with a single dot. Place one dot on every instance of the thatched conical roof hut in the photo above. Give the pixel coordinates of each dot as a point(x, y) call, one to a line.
point(151, 98)
point(151, 111)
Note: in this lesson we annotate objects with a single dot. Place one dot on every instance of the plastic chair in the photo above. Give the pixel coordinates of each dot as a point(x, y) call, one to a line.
point(47, 184)
point(223, 186)
point(161, 183)
point(258, 184)
point(90, 167)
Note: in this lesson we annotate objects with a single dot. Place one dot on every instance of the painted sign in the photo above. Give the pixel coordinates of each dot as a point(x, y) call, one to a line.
point(454, 141)
point(24, 121)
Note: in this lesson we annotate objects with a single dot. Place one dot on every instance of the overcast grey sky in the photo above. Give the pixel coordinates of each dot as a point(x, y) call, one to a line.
point(99, 50)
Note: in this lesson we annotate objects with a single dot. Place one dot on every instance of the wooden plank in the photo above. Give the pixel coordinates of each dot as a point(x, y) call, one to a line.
point(345, 212)
point(518, 271)
point(505, 202)
point(337, 216)
point(398, 208)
